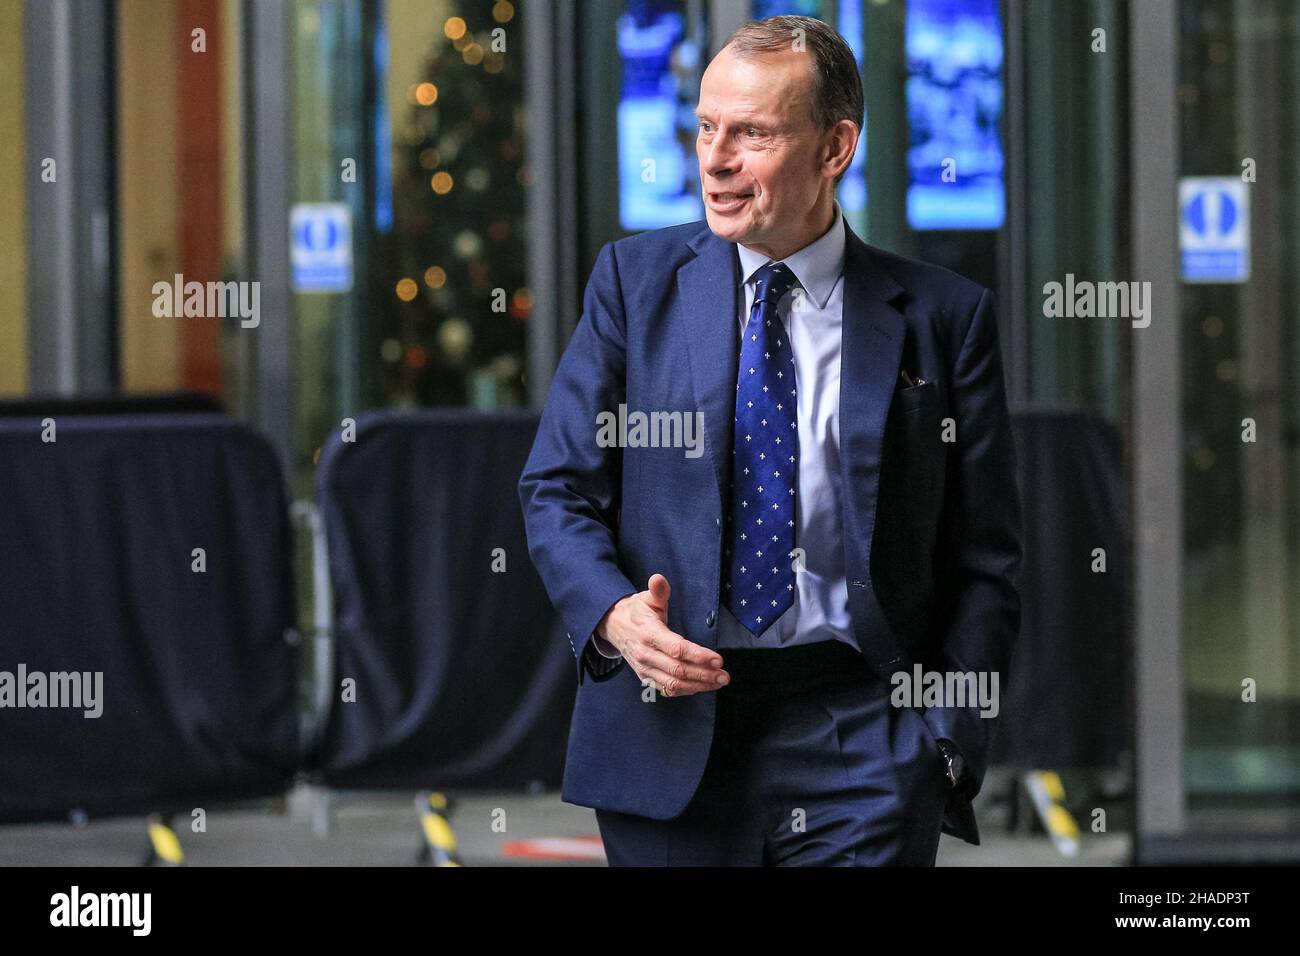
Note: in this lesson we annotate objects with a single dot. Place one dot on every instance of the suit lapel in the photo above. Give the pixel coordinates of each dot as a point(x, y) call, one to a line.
point(870, 353)
point(708, 289)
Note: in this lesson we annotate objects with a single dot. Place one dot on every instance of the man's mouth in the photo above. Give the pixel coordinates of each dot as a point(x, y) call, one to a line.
point(723, 202)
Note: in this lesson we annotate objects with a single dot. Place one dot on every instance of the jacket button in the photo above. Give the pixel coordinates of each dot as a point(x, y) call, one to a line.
point(718, 522)
point(711, 619)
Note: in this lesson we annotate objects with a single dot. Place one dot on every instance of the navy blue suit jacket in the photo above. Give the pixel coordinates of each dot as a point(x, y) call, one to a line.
point(932, 534)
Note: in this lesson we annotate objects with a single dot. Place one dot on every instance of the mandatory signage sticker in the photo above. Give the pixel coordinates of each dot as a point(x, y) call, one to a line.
point(1214, 229)
point(320, 246)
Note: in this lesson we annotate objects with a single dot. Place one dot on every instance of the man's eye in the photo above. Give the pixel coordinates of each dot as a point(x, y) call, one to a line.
point(750, 131)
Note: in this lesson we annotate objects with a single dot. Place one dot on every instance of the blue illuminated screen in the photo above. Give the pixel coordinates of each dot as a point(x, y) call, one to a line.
point(657, 172)
point(954, 105)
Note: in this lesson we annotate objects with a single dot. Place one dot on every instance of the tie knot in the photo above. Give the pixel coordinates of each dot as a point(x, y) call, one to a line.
point(774, 280)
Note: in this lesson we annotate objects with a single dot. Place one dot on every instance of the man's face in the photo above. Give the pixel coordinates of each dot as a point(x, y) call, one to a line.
point(760, 151)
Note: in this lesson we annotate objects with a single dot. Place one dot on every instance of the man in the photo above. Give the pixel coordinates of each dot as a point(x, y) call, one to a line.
point(854, 514)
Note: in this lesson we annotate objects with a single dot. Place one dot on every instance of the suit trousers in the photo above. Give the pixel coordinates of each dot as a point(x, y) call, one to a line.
point(810, 765)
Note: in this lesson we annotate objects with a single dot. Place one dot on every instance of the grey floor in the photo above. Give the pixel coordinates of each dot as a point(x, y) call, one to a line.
point(370, 829)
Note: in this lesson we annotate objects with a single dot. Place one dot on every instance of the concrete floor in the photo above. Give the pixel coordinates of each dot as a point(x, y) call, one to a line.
point(381, 829)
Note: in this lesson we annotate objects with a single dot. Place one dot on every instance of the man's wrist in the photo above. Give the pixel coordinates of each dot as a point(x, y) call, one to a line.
point(956, 765)
point(605, 648)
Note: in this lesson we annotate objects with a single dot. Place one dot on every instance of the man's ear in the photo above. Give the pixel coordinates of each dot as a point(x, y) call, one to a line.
point(842, 143)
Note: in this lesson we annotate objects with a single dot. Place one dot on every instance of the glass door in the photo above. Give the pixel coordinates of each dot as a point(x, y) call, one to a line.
point(408, 132)
point(1239, 65)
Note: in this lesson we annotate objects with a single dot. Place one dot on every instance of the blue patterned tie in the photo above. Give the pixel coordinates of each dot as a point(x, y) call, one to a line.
point(759, 582)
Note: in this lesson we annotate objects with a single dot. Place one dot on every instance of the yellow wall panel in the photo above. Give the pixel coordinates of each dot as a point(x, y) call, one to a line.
point(147, 117)
point(13, 221)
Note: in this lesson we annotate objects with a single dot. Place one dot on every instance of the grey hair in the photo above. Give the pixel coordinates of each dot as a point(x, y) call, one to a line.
point(837, 87)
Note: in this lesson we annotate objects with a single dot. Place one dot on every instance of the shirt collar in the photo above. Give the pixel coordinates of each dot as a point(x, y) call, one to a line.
point(817, 265)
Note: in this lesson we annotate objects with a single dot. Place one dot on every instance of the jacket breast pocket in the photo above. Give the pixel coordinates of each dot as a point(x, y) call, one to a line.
point(916, 396)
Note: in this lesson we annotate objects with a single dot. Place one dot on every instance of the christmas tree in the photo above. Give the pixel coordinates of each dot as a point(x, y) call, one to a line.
point(455, 331)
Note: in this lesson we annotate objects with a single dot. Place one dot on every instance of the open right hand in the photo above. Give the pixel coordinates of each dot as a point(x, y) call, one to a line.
point(638, 627)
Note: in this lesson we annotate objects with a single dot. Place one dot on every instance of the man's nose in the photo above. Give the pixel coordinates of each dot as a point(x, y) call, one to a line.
point(719, 157)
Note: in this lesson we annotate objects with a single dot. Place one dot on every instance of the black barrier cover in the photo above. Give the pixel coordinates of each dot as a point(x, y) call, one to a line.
point(1069, 702)
point(135, 404)
point(198, 690)
point(463, 678)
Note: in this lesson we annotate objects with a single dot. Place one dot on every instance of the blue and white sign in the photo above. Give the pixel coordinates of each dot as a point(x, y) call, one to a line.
point(1214, 228)
point(320, 246)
